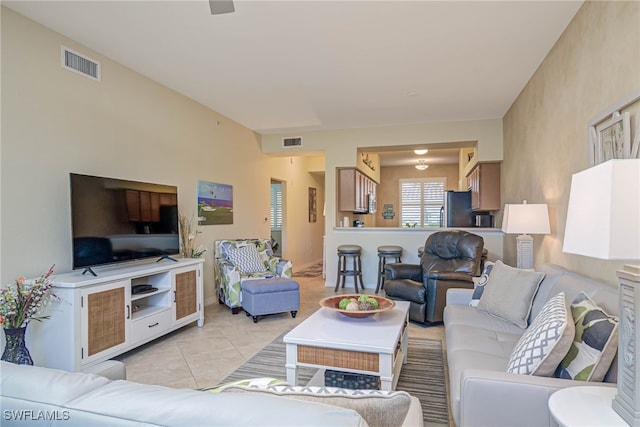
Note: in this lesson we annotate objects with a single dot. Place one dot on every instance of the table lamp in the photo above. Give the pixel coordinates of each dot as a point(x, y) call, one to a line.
point(603, 221)
point(525, 219)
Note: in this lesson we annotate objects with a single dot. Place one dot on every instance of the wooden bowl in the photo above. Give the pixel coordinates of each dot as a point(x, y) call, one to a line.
point(331, 303)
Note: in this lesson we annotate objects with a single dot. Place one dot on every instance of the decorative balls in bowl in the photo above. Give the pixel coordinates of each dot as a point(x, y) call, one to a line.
point(357, 305)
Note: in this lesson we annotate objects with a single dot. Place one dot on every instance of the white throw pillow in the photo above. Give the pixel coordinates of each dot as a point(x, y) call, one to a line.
point(546, 342)
point(509, 293)
point(247, 259)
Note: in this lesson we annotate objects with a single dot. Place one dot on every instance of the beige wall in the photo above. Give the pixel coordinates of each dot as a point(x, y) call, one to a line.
point(341, 146)
point(593, 65)
point(126, 126)
point(389, 188)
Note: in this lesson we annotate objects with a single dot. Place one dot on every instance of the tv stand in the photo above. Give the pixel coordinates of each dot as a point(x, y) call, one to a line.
point(170, 258)
point(89, 270)
point(96, 318)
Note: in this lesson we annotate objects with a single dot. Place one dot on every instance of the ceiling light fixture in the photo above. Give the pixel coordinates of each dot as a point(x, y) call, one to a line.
point(421, 152)
point(422, 165)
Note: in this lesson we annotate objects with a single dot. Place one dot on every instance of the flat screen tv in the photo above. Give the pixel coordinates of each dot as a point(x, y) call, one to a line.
point(115, 220)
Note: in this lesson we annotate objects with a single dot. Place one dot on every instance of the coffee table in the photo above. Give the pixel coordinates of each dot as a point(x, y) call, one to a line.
point(374, 345)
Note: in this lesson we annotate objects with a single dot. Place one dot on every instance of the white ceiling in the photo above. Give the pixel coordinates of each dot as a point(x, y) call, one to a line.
point(407, 157)
point(292, 66)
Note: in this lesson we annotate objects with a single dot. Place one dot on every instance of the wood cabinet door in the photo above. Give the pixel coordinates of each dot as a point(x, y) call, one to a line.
point(346, 190)
point(145, 206)
point(186, 295)
point(168, 199)
point(361, 190)
point(484, 183)
point(132, 198)
point(489, 187)
point(154, 206)
point(105, 313)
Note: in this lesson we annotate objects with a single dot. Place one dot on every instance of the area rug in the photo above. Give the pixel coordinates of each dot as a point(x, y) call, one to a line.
point(313, 271)
point(422, 376)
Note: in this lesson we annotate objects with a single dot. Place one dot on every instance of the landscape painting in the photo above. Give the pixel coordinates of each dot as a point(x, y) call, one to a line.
point(215, 203)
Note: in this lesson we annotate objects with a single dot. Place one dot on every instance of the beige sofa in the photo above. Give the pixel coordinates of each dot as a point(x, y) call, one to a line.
point(40, 396)
point(479, 345)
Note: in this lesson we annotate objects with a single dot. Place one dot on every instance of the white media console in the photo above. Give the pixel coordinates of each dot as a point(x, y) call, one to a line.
point(98, 318)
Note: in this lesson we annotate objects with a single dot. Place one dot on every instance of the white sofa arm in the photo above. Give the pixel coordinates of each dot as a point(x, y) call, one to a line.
point(459, 296)
point(494, 398)
point(415, 417)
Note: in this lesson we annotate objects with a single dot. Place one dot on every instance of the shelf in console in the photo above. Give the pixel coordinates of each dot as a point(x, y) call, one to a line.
point(148, 294)
point(148, 310)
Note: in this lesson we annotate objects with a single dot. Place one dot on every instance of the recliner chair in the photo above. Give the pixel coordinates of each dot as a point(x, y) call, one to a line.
point(451, 258)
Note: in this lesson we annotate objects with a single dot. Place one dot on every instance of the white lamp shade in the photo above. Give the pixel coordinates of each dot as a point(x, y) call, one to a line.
point(603, 218)
point(526, 219)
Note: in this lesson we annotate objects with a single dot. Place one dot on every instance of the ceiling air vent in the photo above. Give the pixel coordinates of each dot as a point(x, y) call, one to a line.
point(78, 63)
point(292, 142)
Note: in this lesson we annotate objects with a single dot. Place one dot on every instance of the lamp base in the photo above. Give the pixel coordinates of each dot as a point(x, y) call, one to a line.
point(524, 243)
point(627, 400)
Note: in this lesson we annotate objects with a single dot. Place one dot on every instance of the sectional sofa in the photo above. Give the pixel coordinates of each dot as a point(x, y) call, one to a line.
point(31, 395)
point(480, 345)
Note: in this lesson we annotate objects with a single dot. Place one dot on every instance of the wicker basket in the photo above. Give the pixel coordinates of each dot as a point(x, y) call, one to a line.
point(351, 380)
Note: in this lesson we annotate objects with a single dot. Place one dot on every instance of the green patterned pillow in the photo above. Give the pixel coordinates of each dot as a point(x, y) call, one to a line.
point(595, 343)
point(250, 382)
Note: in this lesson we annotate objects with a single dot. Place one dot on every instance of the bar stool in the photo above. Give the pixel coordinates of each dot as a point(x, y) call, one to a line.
point(384, 252)
point(353, 251)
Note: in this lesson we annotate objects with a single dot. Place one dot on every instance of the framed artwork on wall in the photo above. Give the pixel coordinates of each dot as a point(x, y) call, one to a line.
point(613, 138)
point(610, 132)
point(313, 203)
point(215, 203)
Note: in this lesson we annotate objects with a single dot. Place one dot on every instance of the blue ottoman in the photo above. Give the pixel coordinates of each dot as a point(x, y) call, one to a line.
point(269, 296)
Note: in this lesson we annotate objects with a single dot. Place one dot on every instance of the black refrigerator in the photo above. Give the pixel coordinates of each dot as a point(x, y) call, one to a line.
point(457, 209)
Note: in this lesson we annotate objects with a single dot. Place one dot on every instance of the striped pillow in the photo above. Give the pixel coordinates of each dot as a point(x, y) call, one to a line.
point(378, 408)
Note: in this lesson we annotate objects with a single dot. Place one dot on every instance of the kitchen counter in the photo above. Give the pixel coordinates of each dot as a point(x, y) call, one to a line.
point(410, 239)
point(420, 230)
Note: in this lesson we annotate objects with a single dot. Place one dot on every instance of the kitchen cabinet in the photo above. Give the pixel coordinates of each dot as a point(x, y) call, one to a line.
point(356, 192)
point(144, 206)
point(484, 183)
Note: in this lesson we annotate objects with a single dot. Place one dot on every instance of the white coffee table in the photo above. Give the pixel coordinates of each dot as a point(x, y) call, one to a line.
point(374, 345)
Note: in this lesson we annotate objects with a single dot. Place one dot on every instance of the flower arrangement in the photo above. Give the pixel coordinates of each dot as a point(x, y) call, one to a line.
point(188, 234)
point(23, 301)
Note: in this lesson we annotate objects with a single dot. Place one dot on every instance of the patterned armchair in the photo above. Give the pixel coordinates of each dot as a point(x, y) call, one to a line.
point(244, 259)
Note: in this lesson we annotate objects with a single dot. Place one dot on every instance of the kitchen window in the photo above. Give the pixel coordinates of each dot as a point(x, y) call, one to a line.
point(421, 200)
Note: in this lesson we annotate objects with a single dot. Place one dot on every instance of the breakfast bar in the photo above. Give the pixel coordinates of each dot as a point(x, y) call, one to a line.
point(410, 239)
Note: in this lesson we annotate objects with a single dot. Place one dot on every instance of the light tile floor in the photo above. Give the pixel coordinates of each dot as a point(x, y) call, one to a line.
point(194, 357)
